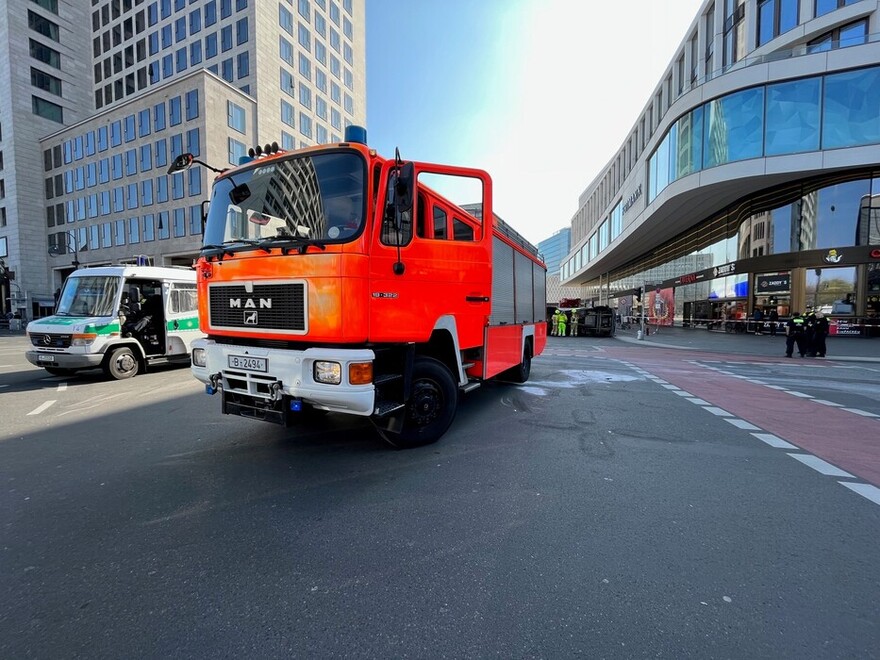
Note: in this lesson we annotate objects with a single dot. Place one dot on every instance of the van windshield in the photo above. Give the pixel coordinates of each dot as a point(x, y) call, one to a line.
point(306, 198)
point(93, 295)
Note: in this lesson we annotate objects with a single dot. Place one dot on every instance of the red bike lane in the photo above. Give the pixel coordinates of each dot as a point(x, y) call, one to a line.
point(845, 439)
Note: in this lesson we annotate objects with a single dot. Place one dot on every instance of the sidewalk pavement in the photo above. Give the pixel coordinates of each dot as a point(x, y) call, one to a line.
point(853, 349)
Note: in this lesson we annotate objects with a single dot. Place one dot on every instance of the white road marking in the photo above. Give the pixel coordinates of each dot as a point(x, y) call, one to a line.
point(41, 407)
point(62, 386)
point(682, 393)
point(800, 394)
point(821, 466)
point(774, 441)
point(775, 387)
point(699, 402)
point(670, 387)
point(718, 411)
point(742, 424)
point(863, 413)
point(828, 403)
point(865, 490)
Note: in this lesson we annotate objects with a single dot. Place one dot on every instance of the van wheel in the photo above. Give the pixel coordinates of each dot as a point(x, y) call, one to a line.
point(431, 407)
point(122, 364)
point(60, 371)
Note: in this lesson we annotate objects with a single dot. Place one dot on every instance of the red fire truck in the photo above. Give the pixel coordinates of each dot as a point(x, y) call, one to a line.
point(332, 279)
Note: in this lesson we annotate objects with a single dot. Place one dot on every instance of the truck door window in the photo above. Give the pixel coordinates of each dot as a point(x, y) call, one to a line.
point(440, 219)
point(461, 230)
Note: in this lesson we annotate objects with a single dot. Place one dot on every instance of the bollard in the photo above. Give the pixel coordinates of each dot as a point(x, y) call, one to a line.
point(639, 335)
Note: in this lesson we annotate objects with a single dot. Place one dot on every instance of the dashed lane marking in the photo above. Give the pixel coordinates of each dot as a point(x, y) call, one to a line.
point(742, 424)
point(865, 490)
point(718, 411)
point(699, 402)
point(863, 413)
point(823, 467)
point(41, 407)
point(828, 403)
point(774, 441)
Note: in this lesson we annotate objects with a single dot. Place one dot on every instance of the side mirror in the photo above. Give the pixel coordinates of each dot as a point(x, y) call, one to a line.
point(239, 193)
point(182, 162)
point(403, 188)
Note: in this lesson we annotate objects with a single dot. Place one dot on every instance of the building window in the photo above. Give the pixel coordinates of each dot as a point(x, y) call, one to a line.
point(236, 150)
point(236, 117)
point(825, 6)
point(852, 34)
point(776, 17)
point(45, 54)
point(734, 31)
point(49, 5)
point(42, 25)
point(243, 65)
point(241, 31)
point(47, 109)
point(44, 81)
point(305, 124)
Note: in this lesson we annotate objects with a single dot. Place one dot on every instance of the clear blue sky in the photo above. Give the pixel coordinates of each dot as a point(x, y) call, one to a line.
point(540, 93)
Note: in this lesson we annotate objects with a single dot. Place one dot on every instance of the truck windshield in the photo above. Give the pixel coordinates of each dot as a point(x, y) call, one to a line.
point(309, 198)
point(94, 295)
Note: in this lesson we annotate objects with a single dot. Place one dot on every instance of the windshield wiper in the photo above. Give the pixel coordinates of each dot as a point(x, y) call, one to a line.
point(226, 248)
point(288, 244)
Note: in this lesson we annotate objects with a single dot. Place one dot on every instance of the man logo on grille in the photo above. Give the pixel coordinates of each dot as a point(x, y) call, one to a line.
point(250, 318)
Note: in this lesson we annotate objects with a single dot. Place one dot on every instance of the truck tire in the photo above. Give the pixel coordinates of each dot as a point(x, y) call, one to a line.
point(431, 407)
point(121, 364)
point(520, 374)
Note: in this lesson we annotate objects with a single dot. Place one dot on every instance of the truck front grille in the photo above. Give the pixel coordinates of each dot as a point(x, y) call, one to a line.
point(268, 306)
point(50, 340)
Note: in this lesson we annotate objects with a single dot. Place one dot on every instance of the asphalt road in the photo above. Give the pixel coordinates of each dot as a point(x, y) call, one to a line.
point(624, 503)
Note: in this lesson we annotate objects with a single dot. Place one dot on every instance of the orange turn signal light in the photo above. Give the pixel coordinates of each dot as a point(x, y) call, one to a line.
point(360, 373)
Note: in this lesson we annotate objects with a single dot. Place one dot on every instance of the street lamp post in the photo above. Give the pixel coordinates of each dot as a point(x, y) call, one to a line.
point(58, 250)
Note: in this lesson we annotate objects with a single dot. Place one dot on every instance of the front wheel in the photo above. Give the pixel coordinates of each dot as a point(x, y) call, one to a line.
point(121, 364)
point(431, 406)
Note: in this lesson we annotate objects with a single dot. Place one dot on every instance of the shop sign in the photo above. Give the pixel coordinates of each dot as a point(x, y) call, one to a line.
point(832, 257)
point(773, 283)
point(842, 327)
point(726, 269)
point(632, 199)
point(875, 254)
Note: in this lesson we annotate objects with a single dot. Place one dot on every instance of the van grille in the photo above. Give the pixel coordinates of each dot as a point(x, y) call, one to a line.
point(50, 340)
point(268, 307)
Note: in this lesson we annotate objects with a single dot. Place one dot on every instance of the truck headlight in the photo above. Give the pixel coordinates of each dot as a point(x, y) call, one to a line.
point(84, 339)
point(199, 357)
point(329, 373)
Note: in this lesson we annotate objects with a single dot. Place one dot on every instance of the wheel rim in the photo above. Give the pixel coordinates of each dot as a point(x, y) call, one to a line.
point(426, 403)
point(126, 363)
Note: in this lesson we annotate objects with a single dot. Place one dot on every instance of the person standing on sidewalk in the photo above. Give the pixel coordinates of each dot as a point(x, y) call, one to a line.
point(820, 331)
point(758, 317)
point(794, 334)
point(773, 316)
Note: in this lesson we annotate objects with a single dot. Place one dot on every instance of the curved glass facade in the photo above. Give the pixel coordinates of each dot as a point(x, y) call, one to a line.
point(822, 112)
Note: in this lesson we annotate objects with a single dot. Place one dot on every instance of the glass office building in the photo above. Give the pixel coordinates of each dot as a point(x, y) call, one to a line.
point(752, 178)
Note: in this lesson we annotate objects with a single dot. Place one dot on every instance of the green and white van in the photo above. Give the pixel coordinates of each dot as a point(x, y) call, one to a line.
point(118, 318)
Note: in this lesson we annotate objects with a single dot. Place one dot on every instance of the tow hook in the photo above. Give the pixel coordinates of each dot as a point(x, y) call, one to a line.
point(275, 389)
point(214, 384)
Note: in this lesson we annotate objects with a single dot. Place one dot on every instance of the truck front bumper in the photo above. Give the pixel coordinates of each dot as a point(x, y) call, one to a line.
point(275, 377)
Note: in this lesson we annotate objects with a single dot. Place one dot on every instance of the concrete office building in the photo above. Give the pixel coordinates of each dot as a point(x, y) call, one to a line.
point(214, 77)
point(751, 175)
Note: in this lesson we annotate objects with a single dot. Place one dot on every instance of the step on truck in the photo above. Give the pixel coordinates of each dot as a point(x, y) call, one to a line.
point(119, 318)
point(333, 279)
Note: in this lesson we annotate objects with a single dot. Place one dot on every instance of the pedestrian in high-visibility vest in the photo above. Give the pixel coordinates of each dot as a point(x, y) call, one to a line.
point(573, 332)
point(560, 323)
point(554, 323)
point(795, 333)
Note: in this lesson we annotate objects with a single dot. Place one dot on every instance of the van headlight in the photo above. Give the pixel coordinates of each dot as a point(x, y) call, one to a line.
point(83, 339)
point(199, 357)
point(329, 373)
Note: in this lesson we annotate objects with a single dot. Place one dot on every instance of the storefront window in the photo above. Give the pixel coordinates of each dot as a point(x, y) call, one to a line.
point(832, 290)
